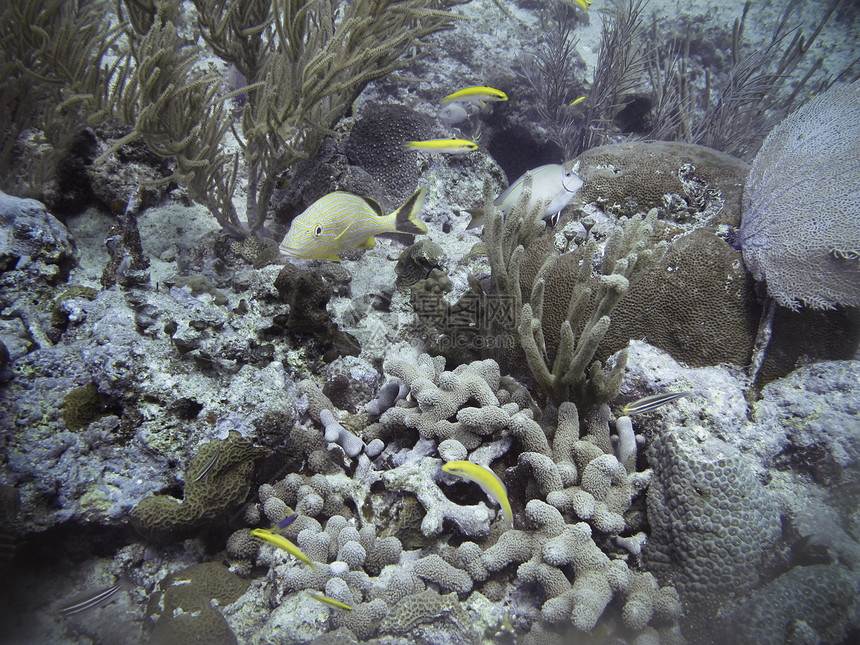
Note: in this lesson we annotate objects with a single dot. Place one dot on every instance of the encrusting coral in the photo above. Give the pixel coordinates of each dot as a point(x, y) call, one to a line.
point(708, 511)
point(183, 610)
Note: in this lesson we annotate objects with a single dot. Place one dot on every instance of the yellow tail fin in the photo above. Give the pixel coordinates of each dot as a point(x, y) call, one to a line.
point(406, 217)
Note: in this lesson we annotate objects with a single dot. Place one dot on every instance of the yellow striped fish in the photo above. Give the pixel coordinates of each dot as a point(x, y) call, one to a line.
point(342, 221)
point(331, 602)
point(476, 94)
point(447, 146)
point(487, 480)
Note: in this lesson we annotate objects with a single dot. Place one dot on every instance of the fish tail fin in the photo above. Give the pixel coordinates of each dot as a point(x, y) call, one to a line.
point(406, 217)
point(478, 217)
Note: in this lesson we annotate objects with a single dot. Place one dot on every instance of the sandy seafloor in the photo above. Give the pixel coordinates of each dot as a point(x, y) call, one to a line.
point(758, 527)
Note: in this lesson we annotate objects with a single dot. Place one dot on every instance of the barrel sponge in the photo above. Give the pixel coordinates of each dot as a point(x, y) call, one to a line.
point(823, 596)
point(376, 144)
point(801, 207)
point(166, 519)
point(707, 510)
point(697, 303)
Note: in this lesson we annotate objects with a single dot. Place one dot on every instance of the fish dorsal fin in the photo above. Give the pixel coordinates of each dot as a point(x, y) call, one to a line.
point(374, 205)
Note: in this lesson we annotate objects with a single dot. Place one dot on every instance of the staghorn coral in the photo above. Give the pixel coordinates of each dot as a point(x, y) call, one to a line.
point(800, 232)
point(443, 396)
point(544, 553)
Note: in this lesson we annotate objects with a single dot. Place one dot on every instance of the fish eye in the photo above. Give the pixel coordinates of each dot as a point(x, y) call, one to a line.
point(318, 230)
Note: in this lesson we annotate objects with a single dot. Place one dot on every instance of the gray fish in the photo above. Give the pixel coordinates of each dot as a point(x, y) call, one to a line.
point(209, 465)
point(555, 184)
point(652, 402)
point(91, 599)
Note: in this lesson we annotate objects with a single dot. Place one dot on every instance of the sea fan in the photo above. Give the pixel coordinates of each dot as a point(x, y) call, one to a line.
point(801, 209)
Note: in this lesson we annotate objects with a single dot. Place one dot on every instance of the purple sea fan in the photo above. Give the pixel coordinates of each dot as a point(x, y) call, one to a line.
point(800, 231)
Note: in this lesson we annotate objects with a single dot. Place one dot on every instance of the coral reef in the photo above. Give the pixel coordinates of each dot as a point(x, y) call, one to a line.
point(282, 437)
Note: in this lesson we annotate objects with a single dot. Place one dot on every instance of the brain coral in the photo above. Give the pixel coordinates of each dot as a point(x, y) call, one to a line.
point(698, 303)
point(637, 176)
point(165, 519)
point(801, 207)
point(711, 521)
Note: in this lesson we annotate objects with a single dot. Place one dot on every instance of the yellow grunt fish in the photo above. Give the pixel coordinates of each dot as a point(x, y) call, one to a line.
point(331, 602)
point(487, 480)
point(342, 221)
point(282, 543)
point(447, 146)
point(476, 94)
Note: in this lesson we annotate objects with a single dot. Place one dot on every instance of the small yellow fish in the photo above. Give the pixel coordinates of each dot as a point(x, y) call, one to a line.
point(329, 601)
point(576, 101)
point(584, 4)
point(282, 543)
point(447, 146)
point(342, 221)
point(476, 94)
point(487, 480)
